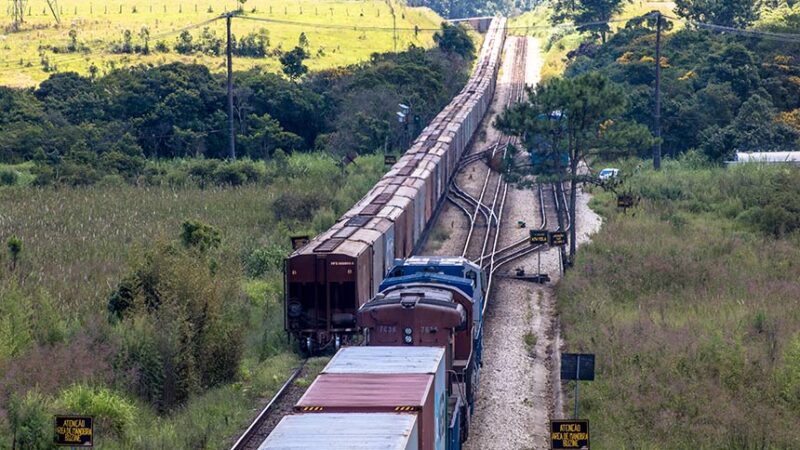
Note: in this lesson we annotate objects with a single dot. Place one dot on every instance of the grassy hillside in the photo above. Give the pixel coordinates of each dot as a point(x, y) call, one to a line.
point(558, 41)
point(98, 25)
point(692, 304)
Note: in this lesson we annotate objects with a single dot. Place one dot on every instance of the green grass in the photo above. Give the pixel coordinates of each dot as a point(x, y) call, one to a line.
point(98, 24)
point(693, 313)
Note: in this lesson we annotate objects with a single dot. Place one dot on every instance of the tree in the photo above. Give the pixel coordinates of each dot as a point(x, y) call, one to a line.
point(144, 34)
point(302, 41)
point(14, 249)
point(265, 135)
point(292, 62)
point(729, 13)
point(568, 114)
point(595, 12)
point(455, 39)
point(73, 40)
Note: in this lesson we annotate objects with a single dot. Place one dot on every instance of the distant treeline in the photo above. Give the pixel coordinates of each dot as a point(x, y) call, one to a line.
point(78, 128)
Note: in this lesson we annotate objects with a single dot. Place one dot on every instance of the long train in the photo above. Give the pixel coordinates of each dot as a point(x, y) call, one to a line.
point(413, 384)
point(331, 277)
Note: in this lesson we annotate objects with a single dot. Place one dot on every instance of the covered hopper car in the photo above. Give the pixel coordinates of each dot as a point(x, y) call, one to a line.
point(337, 272)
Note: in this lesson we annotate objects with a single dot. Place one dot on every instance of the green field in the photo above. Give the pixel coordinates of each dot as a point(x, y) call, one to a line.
point(100, 24)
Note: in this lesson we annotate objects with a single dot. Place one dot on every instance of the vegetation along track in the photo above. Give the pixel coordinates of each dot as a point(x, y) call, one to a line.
point(279, 405)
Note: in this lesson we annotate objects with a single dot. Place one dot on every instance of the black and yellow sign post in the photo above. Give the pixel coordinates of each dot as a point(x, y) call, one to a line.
point(557, 238)
point(578, 367)
point(539, 239)
point(74, 431)
point(572, 434)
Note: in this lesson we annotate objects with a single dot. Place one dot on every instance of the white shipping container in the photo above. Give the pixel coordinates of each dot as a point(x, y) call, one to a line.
point(345, 431)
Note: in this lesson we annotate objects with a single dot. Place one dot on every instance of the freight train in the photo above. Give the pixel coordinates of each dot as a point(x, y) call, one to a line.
point(413, 384)
point(333, 275)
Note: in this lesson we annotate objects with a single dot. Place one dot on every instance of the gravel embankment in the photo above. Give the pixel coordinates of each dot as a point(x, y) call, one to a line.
point(519, 387)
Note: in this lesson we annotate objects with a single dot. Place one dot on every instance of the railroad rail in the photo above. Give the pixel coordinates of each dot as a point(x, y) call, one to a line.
point(486, 210)
point(256, 432)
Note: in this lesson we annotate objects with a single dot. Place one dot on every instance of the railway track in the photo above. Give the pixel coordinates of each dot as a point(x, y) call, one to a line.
point(280, 404)
point(485, 210)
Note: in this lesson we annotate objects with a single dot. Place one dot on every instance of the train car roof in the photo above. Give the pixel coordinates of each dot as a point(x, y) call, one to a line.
point(344, 431)
point(439, 261)
point(359, 391)
point(463, 286)
point(386, 360)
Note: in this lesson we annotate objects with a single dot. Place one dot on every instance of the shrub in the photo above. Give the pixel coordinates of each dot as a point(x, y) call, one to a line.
point(16, 319)
point(113, 413)
point(199, 235)
point(184, 333)
point(8, 177)
point(31, 421)
point(230, 175)
point(203, 169)
point(789, 375)
point(264, 259)
point(292, 204)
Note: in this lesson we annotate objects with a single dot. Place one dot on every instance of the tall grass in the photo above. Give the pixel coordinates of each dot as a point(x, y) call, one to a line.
point(78, 244)
point(694, 314)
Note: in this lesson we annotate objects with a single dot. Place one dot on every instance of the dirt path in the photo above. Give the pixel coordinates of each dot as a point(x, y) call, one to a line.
point(519, 388)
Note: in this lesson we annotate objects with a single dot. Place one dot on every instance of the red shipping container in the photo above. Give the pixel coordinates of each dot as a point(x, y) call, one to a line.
point(364, 393)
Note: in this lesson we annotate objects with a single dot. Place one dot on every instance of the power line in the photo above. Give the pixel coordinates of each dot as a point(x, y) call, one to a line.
point(327, 26)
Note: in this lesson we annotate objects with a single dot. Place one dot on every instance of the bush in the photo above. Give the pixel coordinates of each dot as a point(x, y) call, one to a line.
point(293, 204)
point(8, 177)
point(185, 332)
point(789, 375)
point(199, 235)
point(114, 414)
point(230, 175)
point(264, 259)
point(16, 320)
point(31, 421)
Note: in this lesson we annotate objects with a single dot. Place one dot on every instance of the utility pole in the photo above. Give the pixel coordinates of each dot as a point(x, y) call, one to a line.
point(394, 24)
point(657, 112)
point(229, 53)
